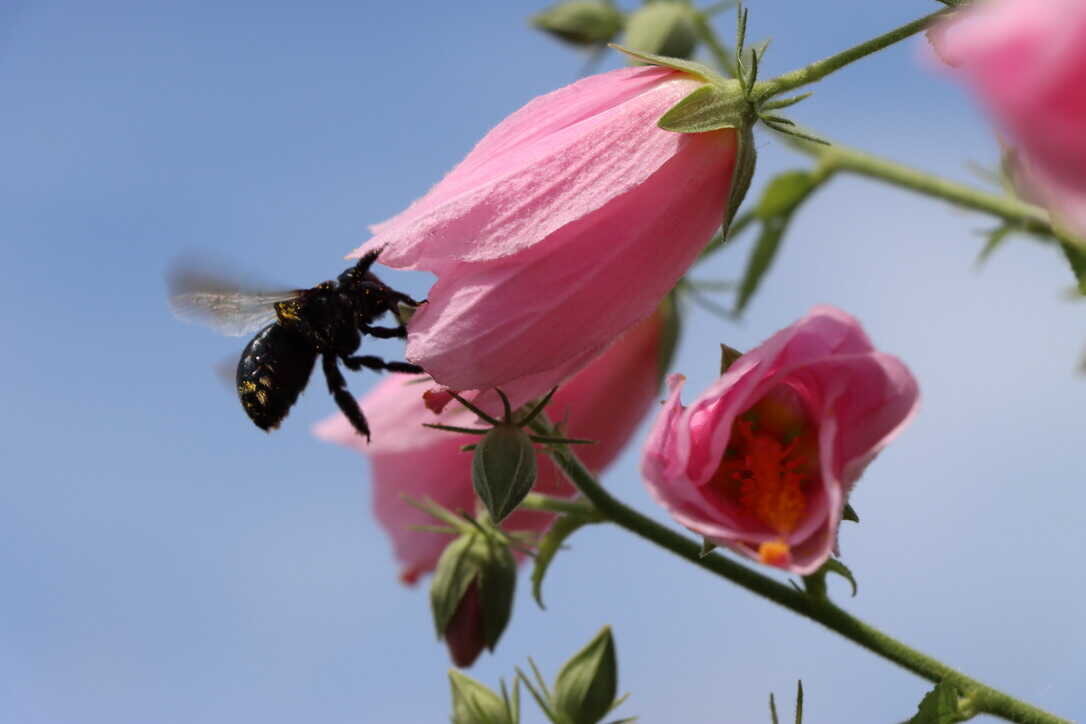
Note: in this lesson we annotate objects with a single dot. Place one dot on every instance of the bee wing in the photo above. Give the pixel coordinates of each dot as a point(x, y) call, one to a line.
point(225, 306)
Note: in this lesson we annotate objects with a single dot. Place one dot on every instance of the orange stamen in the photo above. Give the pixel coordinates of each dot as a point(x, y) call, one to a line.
point(766, 472)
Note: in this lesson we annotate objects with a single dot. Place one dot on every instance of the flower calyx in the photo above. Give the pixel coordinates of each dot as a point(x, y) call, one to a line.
point(475, 703)
point(503, 466)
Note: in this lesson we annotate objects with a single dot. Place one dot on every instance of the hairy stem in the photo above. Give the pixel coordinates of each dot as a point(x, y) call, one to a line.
point(836, 157)
point(821, 68)
point(983, 698)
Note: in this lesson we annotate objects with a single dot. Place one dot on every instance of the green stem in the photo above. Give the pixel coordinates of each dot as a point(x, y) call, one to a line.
point(821, 68)
point(580, 508)
point(836, 157)
point(983, 698)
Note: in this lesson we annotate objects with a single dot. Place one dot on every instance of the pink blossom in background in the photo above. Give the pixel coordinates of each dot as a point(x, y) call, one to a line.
point(604, 402)
point(1026, 61)
point(763, 461)
point(566, 225)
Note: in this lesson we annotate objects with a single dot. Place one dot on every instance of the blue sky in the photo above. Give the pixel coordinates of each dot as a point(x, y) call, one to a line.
point(165, 562)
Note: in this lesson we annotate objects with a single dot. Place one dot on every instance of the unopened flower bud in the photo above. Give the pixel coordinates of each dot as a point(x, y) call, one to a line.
point(503, 470)
point(663, 27)
point(580, 22)
point(472, 594)
point(586, 686)
point(474, 703)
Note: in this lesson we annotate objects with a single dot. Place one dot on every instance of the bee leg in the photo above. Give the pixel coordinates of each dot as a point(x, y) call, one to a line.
point(365, 262)
point(385, 332)
point(377, 364)
point(401, 297)
point(337, 385)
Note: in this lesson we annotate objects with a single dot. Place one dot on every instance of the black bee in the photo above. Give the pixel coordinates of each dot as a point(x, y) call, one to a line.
point(299, 325)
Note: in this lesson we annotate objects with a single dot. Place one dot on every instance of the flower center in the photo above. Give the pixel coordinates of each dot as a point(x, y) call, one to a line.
point(768, 469)
point(770, 478)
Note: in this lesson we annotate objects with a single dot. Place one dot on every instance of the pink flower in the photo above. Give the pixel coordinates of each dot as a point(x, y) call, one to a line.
point(605, 402)
point(565, 225)
point(764, 460)
point(1026, 60)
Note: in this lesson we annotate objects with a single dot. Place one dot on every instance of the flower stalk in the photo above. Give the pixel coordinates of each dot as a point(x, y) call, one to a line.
point(837, 157)
point(985, 699)
point(819, 69)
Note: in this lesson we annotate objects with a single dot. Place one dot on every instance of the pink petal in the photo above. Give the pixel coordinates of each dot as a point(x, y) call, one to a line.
point(483, 324)
point(544, 167)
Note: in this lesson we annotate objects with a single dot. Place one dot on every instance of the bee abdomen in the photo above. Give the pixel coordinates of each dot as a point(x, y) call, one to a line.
point(273, 370)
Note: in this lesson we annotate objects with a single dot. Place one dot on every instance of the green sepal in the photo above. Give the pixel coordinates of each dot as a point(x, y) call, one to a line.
point(707, 546)
point(709, 108)
point(728, 357)
point(994, 239)
point(1076, 257)
point(585, 688)
point(779, 103)
point(698, 70)
point(941, 706)
point(503, 469)
point(479, 556)
point(663, 28)
point(745, 158)
point(849, 513)
point(474, 703)
point(549, 546)
point(815, 583)
point(456, 569)
point(581, 22)
point(497, 587)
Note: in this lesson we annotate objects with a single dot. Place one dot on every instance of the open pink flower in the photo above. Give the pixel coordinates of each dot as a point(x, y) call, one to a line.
point(605, 402)
point(1026, 60)
point(764, 460)
point(566, 224)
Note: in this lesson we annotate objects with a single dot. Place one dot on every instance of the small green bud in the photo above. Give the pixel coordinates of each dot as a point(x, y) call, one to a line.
point(663, 27)
point(586, 686)
point(471, 596)
point(581, 22)
point(503, 469)
point(474, 703)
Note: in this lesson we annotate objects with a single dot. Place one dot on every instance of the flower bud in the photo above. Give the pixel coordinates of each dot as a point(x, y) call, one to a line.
point(580, 22)
point(472, 594)
point(586, 686)
point(474, 703)
point(503, 470)
point(663, 27)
